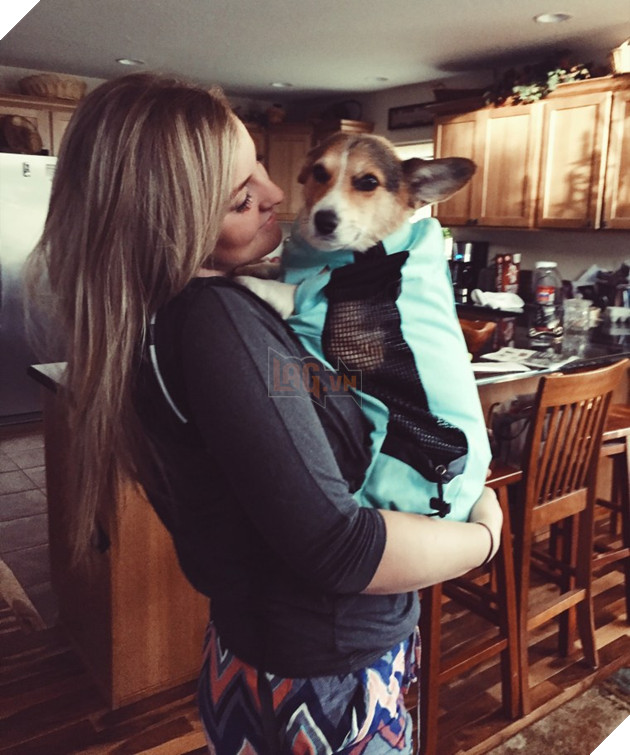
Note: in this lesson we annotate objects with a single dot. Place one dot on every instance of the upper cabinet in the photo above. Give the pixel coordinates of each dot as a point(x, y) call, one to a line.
point(458, 136)
point(617, 192)
point(575, 142)
point(287, 147)
point(504, 143)
point(563, 162)
point(50, 117)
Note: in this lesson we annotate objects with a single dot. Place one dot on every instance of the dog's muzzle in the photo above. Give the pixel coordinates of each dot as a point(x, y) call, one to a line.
point(326, 222)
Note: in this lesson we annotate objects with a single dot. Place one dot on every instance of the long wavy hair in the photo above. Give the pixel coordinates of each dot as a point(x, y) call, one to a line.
point(140, 190)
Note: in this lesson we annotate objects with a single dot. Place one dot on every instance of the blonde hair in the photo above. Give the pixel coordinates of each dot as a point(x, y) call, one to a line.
point(140, 190)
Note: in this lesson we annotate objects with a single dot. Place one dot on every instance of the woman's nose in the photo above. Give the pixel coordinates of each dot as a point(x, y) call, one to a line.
point(274, 193)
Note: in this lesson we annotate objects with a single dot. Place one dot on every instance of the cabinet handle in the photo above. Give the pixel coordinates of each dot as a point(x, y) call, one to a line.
point(472, 221)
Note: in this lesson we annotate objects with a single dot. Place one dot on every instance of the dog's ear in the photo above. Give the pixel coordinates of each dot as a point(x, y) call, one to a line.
point(434, 180)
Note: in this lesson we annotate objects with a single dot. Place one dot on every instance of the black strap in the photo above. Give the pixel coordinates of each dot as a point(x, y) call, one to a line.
point(267, 714)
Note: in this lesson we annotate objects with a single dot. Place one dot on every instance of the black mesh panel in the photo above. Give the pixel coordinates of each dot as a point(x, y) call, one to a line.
point(363, 330)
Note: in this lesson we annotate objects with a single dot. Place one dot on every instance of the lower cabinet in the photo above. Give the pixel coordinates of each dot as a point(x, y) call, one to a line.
point(136, 622)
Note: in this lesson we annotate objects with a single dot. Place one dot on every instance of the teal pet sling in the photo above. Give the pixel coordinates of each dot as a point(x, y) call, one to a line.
point(388, 316)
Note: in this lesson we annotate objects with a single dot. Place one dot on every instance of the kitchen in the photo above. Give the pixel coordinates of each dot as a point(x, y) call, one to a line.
point(574, 250)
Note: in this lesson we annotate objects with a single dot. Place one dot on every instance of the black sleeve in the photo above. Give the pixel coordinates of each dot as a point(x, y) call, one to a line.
point(273, 449)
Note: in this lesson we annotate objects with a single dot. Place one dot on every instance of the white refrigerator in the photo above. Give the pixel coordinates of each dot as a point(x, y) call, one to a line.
point(25, 183)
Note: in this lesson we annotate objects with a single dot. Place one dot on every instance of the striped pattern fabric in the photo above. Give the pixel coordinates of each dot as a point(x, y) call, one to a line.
point(361, 713)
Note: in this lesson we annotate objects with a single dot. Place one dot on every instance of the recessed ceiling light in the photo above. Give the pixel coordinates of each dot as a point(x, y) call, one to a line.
point(130, 62)
point(552, 18)
point(281, 85)
point(381, 78)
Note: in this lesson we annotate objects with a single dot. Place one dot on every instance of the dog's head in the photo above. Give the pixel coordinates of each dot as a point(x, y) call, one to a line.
point(357, 191)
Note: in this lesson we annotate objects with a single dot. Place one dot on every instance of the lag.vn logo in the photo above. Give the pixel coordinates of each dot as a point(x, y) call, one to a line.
point(309, 378)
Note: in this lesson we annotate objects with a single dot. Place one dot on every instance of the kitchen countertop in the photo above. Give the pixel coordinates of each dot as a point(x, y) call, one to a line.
point(602, 348)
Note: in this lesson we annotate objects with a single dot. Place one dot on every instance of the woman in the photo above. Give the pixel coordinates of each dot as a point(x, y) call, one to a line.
point(156, 201)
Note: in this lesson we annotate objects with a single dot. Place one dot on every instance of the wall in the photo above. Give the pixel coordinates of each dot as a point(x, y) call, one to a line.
point(574, 251)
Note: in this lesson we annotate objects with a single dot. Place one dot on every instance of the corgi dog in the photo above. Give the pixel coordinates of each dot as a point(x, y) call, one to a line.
point(356, 192)
point(369, 294)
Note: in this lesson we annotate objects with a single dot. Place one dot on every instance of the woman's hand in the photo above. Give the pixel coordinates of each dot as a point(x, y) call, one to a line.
point(422, 550)
point(487, 512)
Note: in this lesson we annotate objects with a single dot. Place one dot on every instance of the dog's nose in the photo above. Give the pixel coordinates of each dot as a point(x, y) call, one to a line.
point(325, 221)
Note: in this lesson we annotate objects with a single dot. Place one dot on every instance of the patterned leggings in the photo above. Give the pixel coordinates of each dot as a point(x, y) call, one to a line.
point(361, 713)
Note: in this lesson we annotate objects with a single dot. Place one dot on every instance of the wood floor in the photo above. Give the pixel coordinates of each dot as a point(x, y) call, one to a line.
point(49, 706)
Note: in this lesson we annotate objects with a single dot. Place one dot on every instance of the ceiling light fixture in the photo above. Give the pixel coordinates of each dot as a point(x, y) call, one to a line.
point(552, 18)
point(130, 62)
point(281, 85)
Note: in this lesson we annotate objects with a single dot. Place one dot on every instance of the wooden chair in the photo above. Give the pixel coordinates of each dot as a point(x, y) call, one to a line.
point(493, 598)
point(559, 476)
point(616, 447)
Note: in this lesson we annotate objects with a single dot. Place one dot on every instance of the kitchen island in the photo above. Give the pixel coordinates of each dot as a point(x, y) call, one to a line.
point(136, 622)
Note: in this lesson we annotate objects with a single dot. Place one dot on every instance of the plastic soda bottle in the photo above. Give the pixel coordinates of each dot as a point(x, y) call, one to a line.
point(546, 323)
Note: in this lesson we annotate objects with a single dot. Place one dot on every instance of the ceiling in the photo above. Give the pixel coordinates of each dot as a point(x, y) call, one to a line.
point(321, 47)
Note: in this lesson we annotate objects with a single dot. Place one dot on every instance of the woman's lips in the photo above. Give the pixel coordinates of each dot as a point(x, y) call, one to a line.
point(270, 220)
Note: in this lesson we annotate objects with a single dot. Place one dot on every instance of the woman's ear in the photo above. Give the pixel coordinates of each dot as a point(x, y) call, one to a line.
point(434, 180)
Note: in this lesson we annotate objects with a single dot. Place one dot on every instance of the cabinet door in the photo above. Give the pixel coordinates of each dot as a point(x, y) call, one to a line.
point(458, 136)
point(38, 117)
point(286, 149)
point(575, 139)
point(617, 199)
point(504, 187)
point(259, 137)
point(59, 122)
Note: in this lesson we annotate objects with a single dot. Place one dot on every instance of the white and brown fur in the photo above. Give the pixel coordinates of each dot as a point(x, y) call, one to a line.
point(356, 192)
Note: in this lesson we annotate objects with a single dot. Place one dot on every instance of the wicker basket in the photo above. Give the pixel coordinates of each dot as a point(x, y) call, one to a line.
point(52, 86)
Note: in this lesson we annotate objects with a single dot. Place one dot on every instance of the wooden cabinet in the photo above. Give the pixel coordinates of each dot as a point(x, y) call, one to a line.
point(617, 188)
point(50, 117)
point(134, 619)
point(575, 143)
point(458, 136)
point(562, 162)
point(59, 122)
point(287, 147)
point(505, 145)
point(259, 137)
point(504, 191)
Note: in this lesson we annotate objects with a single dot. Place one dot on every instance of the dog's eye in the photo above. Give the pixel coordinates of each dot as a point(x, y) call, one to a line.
point(320, 174)
point(368, 182)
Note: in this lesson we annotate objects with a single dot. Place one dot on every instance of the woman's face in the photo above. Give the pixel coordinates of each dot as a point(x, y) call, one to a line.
point(250, 229)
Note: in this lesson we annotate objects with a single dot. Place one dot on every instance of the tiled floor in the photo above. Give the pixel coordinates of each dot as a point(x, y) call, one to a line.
point(23, 515)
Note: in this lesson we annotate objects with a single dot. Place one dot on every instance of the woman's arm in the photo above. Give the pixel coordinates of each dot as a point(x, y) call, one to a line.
point(422, 551)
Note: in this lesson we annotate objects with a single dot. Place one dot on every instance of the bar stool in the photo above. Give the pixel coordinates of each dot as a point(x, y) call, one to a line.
point(488, 592)
point(616, 447)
